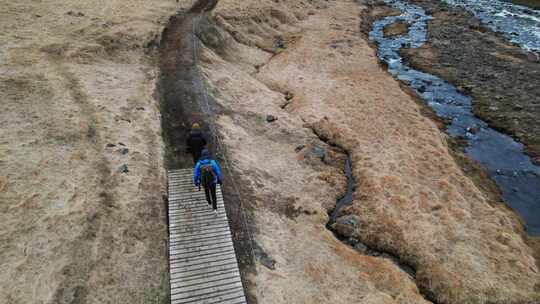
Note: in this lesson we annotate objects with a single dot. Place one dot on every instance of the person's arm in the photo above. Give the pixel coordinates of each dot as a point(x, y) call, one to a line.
point(217, 170)
point(196, 174)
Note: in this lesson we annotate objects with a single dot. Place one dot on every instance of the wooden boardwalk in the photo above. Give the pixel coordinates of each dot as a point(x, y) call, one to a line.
point(203, 264)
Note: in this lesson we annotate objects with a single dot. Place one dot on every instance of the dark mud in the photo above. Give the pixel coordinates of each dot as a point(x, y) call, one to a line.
point(534, 4)
point(502, 157)
point(183, 102)
point(179, 103)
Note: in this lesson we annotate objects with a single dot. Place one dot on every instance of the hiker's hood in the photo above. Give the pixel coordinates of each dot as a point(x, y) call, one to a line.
point(205, 154)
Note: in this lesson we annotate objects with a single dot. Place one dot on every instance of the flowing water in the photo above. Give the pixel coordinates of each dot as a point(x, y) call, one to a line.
point(346, 199)
point(502, 157)
point(520, 24)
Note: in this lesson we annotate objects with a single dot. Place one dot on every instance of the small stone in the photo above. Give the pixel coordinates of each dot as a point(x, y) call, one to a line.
point(315, 152)
point(351, 220)
point(469, 88)
point(533, 57)
point(109, 145)
point(360, 247)
point(268, 263)
point(123, 169)
point(121, 144)
point(140, 108)
point(75, 14)
point(289, 95)
point(474, 129)
point(518, 107)
point(271, 118)
point(299, 148)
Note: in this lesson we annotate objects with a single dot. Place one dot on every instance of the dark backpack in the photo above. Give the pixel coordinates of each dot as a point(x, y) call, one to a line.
point(207, 174)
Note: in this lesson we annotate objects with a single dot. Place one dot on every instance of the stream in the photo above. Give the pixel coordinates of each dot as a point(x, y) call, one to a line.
point(517, 23)
point(347, 198)
point(499, 154)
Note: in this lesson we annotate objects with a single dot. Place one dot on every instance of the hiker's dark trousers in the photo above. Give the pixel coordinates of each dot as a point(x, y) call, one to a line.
point(210, 192)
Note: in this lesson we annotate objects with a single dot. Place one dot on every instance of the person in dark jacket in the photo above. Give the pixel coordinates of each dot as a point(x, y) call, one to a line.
point(207, 173)
point(196, 142)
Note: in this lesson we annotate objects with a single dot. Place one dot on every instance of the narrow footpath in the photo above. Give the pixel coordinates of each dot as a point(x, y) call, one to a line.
point(203, 263)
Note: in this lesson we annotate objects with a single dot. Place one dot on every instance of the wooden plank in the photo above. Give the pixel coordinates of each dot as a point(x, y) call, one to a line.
point(214, 250)
point(208, 293)
point(195, 261)
point(195, 208)
point(201, 242)
point(186, 217)
point(218, 229)
point(211, 219)
point(214, 276)
point(192, 239)
point(205, 287)
point(187, 259)
point(207, 233)
point(190, 230)
point(199, 270)
point(214, 298)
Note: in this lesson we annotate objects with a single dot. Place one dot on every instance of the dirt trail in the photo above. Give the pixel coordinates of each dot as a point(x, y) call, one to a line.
point(181, 89)
point(178, 86)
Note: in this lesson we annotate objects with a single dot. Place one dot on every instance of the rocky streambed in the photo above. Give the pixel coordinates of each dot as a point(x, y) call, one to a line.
point(517, 23)
point(503, 157)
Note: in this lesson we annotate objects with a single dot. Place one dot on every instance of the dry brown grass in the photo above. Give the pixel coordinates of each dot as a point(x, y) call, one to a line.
point(72, 228)
point(413, 198)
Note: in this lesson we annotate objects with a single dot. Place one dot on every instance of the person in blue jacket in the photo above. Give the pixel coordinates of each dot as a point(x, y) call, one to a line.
point(207, 173)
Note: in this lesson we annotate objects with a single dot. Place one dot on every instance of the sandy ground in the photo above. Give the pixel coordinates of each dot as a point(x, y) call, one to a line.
point(413, 199)
point(76, 90)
